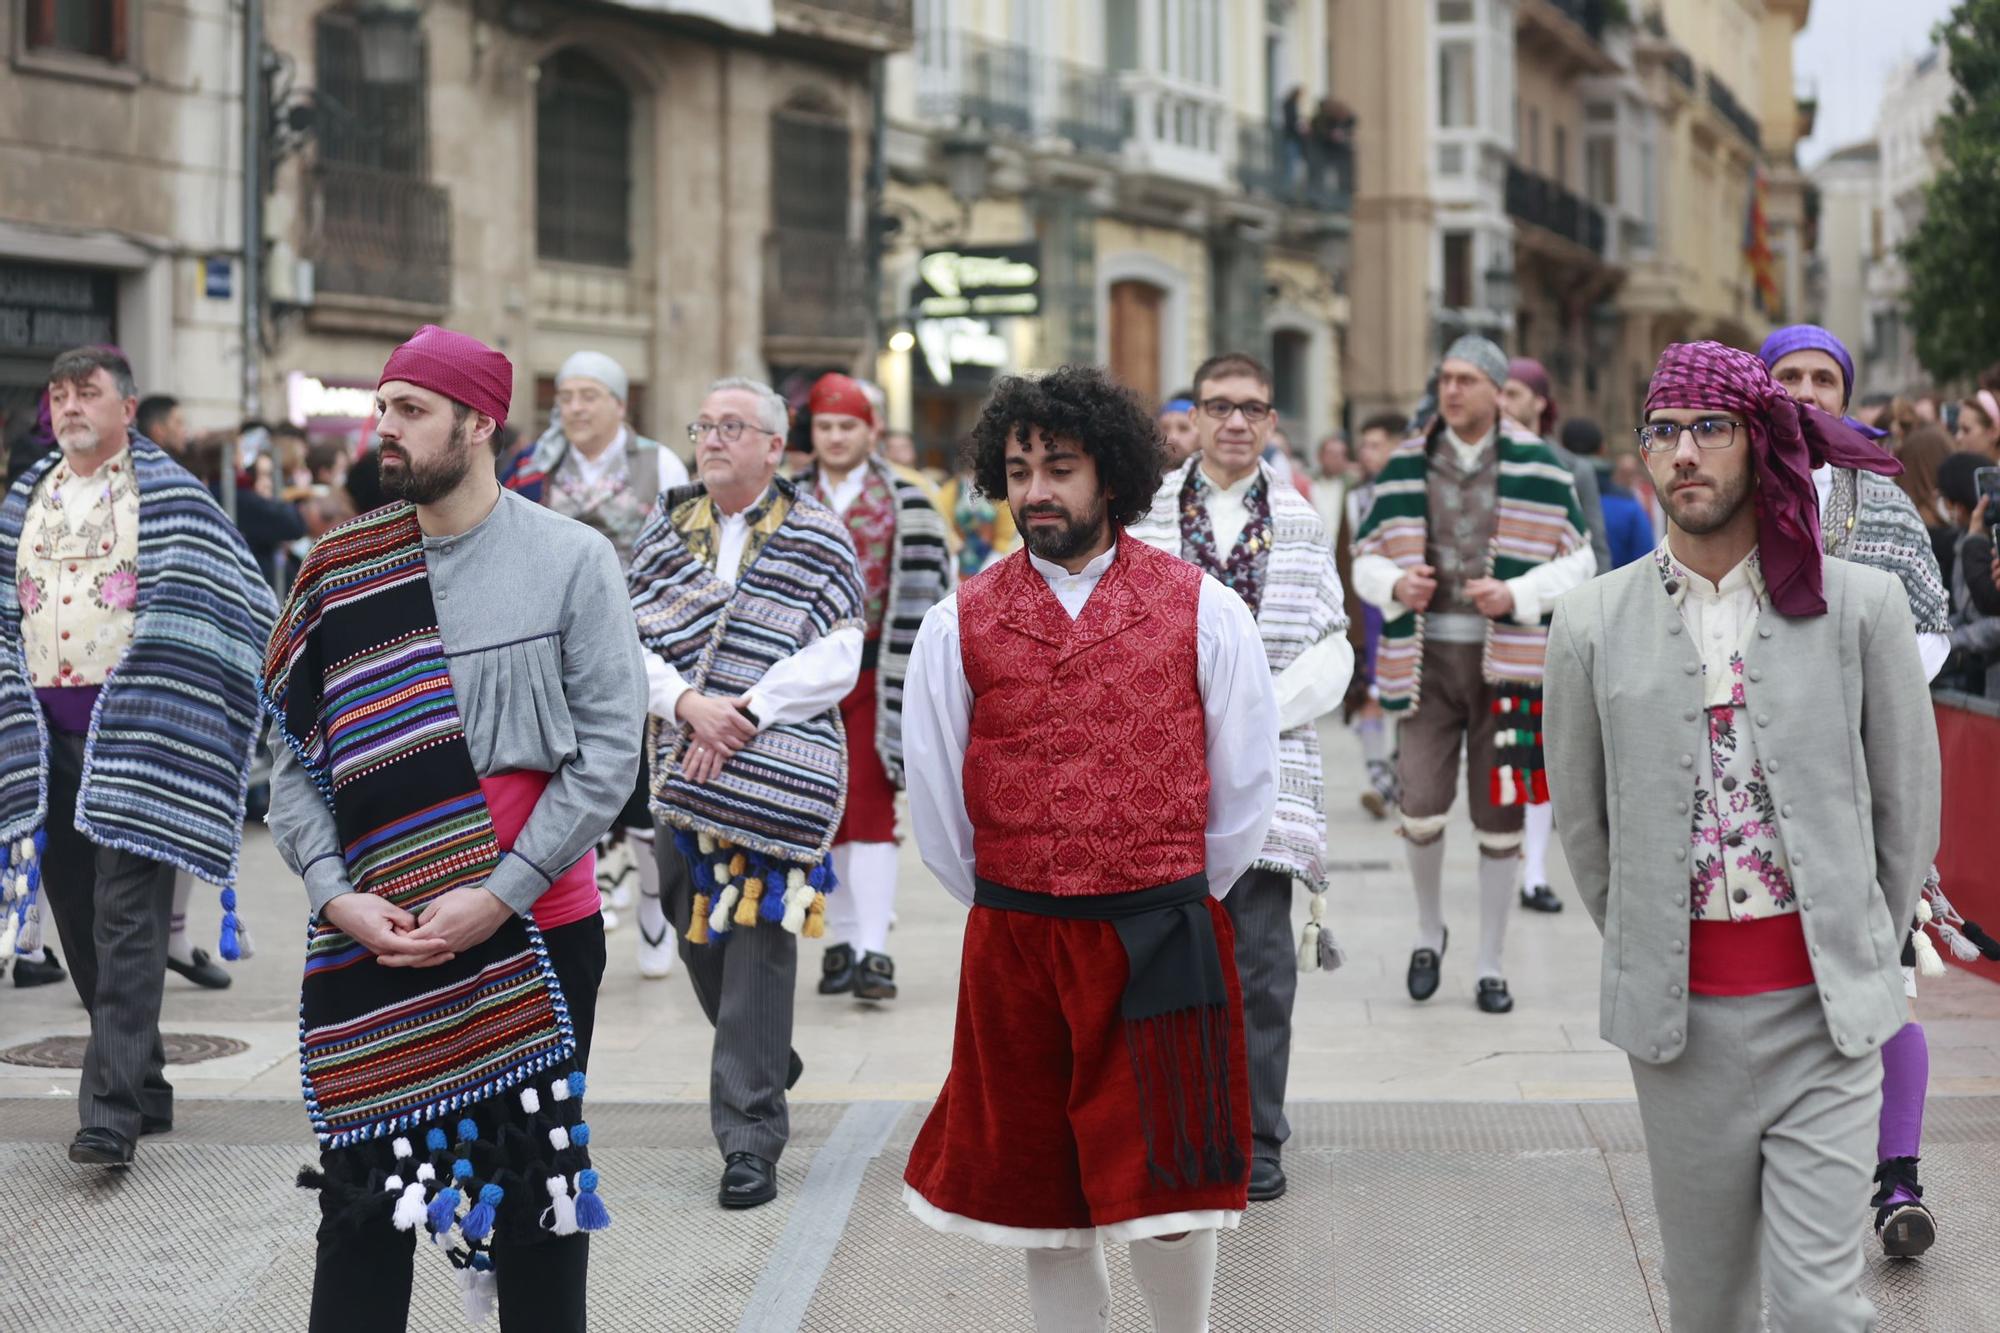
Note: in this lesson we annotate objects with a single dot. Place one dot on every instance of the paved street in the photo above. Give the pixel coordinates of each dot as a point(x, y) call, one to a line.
point(1450, 1170)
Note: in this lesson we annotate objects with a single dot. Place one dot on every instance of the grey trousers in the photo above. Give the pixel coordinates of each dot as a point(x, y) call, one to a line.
point(112, 910)
point(1260, 908)
point(1761, 1139)
point(745, 985)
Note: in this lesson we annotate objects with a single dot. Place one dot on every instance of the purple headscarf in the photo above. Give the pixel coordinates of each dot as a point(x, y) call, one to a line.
point(1533, 374)
point(1788, 439)
point(1812, 338)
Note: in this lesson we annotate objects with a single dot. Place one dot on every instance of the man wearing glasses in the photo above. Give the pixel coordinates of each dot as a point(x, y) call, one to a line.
point(1746, 783)
point(750, 607)
point(1226, 511)
point(1474, 531)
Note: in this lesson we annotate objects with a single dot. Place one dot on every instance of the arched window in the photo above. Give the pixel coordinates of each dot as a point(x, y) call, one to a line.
point(583, 163)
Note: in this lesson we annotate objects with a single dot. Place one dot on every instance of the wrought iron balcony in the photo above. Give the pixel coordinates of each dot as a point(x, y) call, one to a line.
point(1304, 173)
point(1541, 202)
point(1090, 111)
point(1725, 104)
point(380, 234)
point(814, 285)
point(967, 80)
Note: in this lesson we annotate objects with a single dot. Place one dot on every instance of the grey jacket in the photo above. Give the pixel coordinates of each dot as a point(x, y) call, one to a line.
point(1589, 497)
point(1846, 738)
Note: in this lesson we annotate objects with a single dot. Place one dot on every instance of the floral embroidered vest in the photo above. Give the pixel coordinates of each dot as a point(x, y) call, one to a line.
point(1087, 767)
point(871, 522)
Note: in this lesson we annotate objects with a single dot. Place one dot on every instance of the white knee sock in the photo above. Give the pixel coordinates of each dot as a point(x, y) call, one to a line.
point(1177, 1278)
point(1427, 878)
point(1069, 1290)
point(1535, 845)
point(652, 916)
point(1374, 740)
point(843, 920)
point(178, 947)
point(872, 888)
point(1496, 907)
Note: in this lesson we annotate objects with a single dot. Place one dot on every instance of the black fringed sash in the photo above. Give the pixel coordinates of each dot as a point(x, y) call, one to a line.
point(1519, 776)
point(1178, 1028)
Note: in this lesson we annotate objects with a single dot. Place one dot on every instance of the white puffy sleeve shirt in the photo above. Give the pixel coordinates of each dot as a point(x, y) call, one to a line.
point(1239, 706)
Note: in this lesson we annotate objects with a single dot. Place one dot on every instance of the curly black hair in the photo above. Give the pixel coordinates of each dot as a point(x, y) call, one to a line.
point(1081, 403)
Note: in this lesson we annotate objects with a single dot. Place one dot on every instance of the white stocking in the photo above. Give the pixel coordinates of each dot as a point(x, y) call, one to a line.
point(1541, 823)
point(859, 910)
point(1177, 1278)
point(1069, 1291)
point(652, 916)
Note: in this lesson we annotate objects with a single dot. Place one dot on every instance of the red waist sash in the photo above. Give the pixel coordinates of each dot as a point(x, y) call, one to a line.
point(1748, 957)
point(510, 799)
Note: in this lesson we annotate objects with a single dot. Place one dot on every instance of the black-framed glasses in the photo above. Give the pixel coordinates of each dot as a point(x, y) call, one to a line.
point(729, 430)
point(1220, 408)
point(1663, 437)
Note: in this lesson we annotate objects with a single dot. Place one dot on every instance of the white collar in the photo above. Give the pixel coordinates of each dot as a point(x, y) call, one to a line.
point(1235, 490)
point(1052, 571)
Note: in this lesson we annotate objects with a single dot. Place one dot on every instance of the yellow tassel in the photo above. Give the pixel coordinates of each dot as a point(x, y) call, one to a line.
point(697, 931)
point(737, 865)
point(746, 910)
point(816, 918)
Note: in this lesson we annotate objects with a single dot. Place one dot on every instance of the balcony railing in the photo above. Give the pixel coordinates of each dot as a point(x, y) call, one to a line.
point(814, 285)
point(968, 80)
point(1725, 104)
point(1090, 112)
point(1301, 172)
point(1176, 129)
point(1543, 203)
point(380, 234)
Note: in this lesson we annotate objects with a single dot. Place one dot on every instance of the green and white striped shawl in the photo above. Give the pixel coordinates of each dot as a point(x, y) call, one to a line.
point(1302, 605)
point(782, 794)
point(921, 574)
point(1538, 520)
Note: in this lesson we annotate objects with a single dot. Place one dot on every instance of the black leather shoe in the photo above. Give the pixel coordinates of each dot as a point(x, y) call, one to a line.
point(29, 972)
point(1541, 898)
point(1493, 996)
point(1424, 967)
point(875, 979)
point(95, 1145)
point(747, 1180)
point(202, 970)
point(836, 970)
point(1267, 1179)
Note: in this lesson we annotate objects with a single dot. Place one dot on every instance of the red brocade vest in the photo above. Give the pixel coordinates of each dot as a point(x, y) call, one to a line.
point(1087, 767)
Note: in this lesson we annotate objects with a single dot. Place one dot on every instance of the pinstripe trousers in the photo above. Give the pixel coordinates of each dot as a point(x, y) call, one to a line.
point(1260, 907)
point(745, 984)
point(112, 912)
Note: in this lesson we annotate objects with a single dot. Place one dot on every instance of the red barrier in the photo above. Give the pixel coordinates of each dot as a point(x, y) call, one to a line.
point(1969, 854)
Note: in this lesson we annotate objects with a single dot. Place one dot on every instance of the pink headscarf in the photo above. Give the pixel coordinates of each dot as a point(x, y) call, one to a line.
point(1533, 374)
point(457, 365)
point(1788, 439)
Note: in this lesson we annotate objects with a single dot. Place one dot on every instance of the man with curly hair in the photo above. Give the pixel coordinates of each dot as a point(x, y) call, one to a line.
point(1227, 512)
point(1091, 734)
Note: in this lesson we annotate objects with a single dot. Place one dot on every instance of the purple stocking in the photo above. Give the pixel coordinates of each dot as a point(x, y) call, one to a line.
point(1906, 1076)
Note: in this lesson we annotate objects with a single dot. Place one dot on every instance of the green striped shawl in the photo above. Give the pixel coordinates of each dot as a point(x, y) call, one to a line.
point(1538, 520)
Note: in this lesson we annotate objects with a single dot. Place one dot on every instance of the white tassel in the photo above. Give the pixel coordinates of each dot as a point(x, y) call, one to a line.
point(401, 1147)
point(245, 950)
point(563, 1206)
point(559, 1138)
point(531, 1101)
point(1923, 912)
point(476, 1294)
point(559, 1090)
point(706, 841)
point(393, 1185)
point(724, 914)
point(1928, 962)
point(1309, 948)
point(427, 1173)
point(8, 933)
point(409, 1214)
point(721, 872)
point(797, 900)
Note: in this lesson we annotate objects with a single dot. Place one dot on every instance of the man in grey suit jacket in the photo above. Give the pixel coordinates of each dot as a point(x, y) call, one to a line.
point(1745, 777)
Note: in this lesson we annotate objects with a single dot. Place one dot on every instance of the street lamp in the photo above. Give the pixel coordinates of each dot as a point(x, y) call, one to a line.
point(387, 31)
point(965, 168)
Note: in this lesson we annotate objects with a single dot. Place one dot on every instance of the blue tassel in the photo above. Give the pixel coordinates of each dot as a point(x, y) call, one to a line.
point(435, 1140)
point(467, 1131)
point(443, 1211)
point(590, 1211)
point(461, 1170)
point(479, 1221)
point(576, 1084)
point(231, 943)
point(580, 1136)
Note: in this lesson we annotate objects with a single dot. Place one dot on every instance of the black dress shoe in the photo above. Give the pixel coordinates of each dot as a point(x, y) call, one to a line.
point(836, 970)
point(1424, 966)
point(1541, 898)
point(747, 1180)
point(1267, 1179)
point(30, 972)
point(202, 970)
point(95, 1145)
point(875, 979)
point(1493, 996)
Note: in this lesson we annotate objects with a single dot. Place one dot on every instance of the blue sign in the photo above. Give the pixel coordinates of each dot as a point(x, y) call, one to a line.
point(216, 278)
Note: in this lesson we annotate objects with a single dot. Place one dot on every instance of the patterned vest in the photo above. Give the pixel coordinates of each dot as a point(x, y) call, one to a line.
point(1464, 516)
point(1087, 768)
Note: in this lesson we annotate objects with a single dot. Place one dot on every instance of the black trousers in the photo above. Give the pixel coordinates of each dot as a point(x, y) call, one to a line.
point(111, 911)
point(362, 1283)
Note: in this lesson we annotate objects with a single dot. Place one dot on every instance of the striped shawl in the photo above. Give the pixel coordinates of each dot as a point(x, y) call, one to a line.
point(1870, 521)
point(1302, 604)
point(780, 796)
point(1539, 520)
point(921, 574)
point(167, 762)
